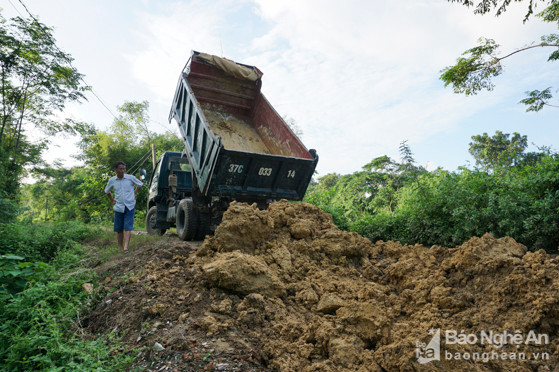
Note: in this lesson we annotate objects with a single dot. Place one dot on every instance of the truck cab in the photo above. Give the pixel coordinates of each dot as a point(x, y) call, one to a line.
point(170, 182)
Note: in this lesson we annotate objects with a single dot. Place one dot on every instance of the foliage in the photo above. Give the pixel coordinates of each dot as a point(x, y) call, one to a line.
point(536, 100)
point(486, 6)
point(324, 200)
point(498, 151)
point(131, 126)
point(520, 200)
point(8, 210)
point(474, 72)
point(41, 242)
point(36, 80)
point(40, 327)
point(14, 274)
point(368, 191)
point(77, 193)
point(448, 208)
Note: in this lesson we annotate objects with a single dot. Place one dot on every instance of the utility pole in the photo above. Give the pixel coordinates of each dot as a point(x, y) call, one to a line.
point(153, 156)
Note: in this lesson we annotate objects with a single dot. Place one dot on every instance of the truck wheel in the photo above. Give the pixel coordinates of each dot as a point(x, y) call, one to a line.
point(151, 219)
point(203, 226)
point(186, 220)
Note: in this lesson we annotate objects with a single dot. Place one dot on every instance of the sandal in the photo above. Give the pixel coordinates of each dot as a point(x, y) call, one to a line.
point(126, 251)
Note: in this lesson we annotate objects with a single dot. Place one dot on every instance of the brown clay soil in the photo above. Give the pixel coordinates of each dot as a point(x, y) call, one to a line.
point(236, 133)
point(283, 289)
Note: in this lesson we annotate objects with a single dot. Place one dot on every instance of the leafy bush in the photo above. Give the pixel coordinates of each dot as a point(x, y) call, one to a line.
point(448, 208)
point(41, 242)
point(323, 200)
point(140, 219)
point(39, 326)
point(14, 274)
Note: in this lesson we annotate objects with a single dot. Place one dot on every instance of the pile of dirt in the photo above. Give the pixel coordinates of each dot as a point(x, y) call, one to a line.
point(294, 293)
point(157, 306)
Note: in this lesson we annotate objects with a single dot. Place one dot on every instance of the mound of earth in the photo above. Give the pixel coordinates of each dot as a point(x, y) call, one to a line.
point(294, 293)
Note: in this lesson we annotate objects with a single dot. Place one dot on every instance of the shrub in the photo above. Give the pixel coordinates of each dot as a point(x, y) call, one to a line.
point(41, 242)
point(38, 325)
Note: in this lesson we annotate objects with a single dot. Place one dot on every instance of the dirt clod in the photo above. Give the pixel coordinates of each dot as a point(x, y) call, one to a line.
point(88, 287)
point(242, 273)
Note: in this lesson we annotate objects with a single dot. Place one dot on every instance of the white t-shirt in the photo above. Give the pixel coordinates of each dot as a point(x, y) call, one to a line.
point(123, 191)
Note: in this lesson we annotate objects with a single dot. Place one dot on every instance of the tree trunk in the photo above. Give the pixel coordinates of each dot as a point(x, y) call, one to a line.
point(16, 146)
point(4, 114)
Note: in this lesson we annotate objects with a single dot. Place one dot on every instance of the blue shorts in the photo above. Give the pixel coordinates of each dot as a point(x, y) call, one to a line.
point(124, 221)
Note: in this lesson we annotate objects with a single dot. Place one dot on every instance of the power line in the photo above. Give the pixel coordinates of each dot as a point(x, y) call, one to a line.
point(139, 166)
point(143, 159)
point(167, 129)
point(99, 99)
point(17, 10)
point(70, 63)
point(64, 54)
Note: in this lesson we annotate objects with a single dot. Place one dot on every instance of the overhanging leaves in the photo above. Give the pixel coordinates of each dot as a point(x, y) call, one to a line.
point(500, 7)
point(536, 99)
point(474, 72)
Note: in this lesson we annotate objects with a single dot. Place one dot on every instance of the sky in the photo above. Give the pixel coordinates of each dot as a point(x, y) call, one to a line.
point(357, 77)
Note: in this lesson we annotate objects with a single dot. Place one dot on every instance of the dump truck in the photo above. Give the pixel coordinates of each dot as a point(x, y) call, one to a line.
point(236, 147)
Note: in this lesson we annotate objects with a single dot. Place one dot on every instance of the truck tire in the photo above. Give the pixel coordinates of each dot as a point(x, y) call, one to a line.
point(203, 226)
point(187, 222)
point(151, 218)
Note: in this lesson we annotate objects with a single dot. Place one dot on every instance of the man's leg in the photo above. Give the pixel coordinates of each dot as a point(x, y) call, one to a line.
point(128, 226)
point(120, 238)
point(119, 228)
point(127, 234)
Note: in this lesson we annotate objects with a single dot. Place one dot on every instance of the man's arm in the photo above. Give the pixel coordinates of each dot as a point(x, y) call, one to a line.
point(110, 196)
point(137, 189)
point(108, 191)
point(137, 183)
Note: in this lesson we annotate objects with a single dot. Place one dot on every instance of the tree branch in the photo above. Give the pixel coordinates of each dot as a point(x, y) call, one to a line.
point(523, 49)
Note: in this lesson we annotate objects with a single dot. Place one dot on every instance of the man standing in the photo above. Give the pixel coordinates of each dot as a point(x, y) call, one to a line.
point(124, 202)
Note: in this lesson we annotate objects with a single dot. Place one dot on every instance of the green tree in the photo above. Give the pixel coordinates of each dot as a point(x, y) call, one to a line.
point(368, 191)
point(512, 193)
point(128, 139)
point(131, 125)
point(56, 195)
point(499, 151)
point(479, 65)
point(37, 79)
point(327, 182)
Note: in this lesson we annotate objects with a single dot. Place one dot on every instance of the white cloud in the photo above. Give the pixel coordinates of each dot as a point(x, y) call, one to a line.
point(167, 40)
point(358, 77)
